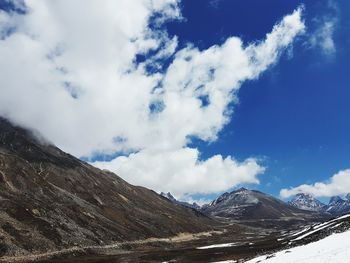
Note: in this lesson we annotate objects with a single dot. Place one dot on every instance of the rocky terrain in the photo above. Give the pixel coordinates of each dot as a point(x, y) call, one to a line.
point(307, 202)
point(250, 206)
point(336, 206)
point(57, 208)
point(237, 244)
point(170, 197)
point(50, 200)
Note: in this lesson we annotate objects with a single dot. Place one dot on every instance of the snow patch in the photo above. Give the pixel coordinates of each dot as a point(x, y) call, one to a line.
point(226, 261)
point(334, 248)
point(218, 245)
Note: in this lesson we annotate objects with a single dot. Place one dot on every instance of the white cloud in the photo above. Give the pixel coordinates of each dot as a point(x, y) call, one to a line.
point(323, 36)
point(338, 184)
point(215, 3)
point(68, 70)
point(180, 171)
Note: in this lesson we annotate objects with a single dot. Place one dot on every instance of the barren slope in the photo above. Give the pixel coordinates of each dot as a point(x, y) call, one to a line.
point(51, 200)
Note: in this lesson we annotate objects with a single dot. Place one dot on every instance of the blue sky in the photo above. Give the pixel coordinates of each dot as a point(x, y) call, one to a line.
point(192, 97)
point(297, 115)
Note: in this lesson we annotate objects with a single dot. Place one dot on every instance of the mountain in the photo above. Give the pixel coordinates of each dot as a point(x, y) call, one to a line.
point(170, 197)
point(50, 200)
point(306, 202)
point(244, 204)
point(338, 205)
point(347, 197)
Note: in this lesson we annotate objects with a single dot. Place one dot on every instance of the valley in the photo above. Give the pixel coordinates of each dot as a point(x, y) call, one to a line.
point(204, 247)
point(172, 131)
point(57, 208)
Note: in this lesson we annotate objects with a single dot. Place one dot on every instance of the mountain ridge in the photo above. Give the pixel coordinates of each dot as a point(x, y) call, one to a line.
point(336, 206)
point(307, 202)
point(170, 197)
point(51, 200)
point(244, 204)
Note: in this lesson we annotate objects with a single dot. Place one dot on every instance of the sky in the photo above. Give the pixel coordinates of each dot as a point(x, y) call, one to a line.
point(190, 97)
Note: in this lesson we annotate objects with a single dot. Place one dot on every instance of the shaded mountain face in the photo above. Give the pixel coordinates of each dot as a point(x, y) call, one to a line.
point(170, 197)
point(246, 204)
point(51, 200)
point(338, 205)
point(306, 202)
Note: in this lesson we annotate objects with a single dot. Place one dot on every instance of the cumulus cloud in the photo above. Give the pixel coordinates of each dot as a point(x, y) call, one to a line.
point(182, 172)
point(338, 184)
point(69, 69)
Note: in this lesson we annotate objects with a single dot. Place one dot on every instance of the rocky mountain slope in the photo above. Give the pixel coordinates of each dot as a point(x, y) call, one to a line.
point(307, 202)
point(336, 206)
point(51, 200)
point(244, 204)
point(170, 197)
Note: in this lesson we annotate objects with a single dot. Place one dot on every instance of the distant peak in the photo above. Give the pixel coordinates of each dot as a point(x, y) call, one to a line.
point(335, 199)
point(348, 197)
point(306, 201)
point(242, 189)
point(171, 198)
point(168, 195)
point(305, 194)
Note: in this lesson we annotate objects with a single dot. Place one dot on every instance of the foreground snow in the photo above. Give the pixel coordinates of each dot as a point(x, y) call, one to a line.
point(334, 248)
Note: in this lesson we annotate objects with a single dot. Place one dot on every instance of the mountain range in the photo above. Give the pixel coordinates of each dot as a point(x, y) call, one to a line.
point(52, 201)
point(243, 204)
point(171, 198)
point(336, 206)
point(307, 202)
point(251, 206)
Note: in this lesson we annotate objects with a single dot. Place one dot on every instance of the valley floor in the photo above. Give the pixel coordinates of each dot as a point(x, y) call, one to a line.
point(319, 242)
point(182, 248)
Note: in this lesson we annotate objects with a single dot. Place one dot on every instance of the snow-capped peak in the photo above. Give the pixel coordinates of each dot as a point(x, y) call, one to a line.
point(335, 199)
point(306, 202)
point(238, 197)
point(169, 196)
point(347, 197)
point(219, 199)
point(338, 205)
